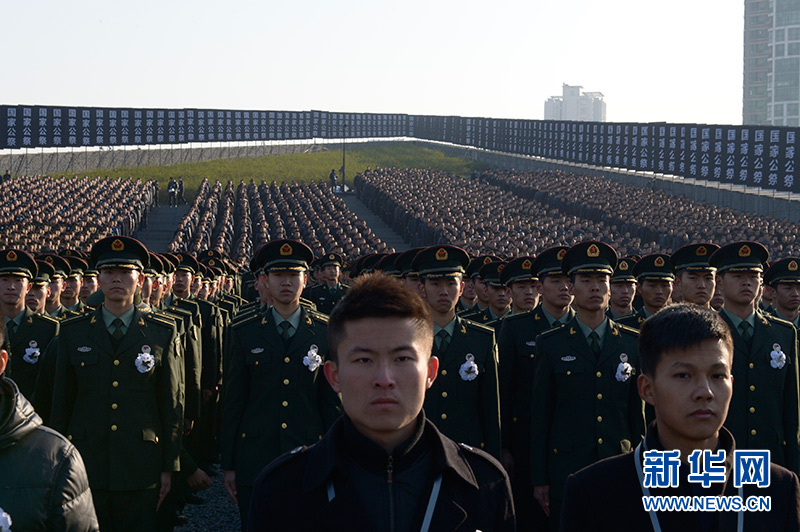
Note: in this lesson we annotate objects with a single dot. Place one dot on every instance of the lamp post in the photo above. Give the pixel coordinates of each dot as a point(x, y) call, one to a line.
point(344, 138)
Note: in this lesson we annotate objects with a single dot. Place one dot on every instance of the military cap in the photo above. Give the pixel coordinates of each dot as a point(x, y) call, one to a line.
point(77, 265)
point(173, 259)
point(355, 267)
point(284, 255)
point(519, 269)
point(330, 258)
point(202, 271)
point(214, 273)
point(784, 271)
point(60, 265)
point(589, 257)
point(548, 262)
point(404, 262)
point(388, 265)
point(440, 261)
point(740, 257)
point(187, 262)
point(369, 262)
point(91, 271)
point(491, 271)
point(624, 271)
point(17, 262)
point(211, 254)
point(694, 257)
point(217, 262)
point(44, 273)
point(156, 266)
point(478, 262)
point(120, 252)
point(655, 267)
point(64, 252)
point(167, 263)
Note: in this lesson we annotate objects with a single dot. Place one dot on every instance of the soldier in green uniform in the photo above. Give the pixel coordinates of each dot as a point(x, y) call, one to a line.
point(586, 405)
point(403, 265)
point(764, 407)
point(654, 277)
point(276, 396)
point(117, 393)
point(72, 286)
point(517, 347)
point(36, 300)
point(53, 305)
point(623, 290)
point(519, 277)
point(326, 294)
point(468, 297)
point(499, 295)
point(694, 276)
point(463, 401)
point(27, 333)
point(784, 278)
point(89, 285)
point(482, 298)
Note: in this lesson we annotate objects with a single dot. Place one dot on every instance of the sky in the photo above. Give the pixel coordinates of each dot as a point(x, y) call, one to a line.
point(676, 61)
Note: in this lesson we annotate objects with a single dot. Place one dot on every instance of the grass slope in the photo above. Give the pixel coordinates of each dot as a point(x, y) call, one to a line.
point(303, 167)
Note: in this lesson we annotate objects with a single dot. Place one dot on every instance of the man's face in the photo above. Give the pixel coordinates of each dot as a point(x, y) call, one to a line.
point(442, 294)
point(119, 284)
point(768, 295)
point(37, 297)
point(56, 287)
point(158, 290)
point(203, 293)
point(469, 289)
point(13, 289)
point(555, 290)
point(696, 287)
point(622, 293)
point(655, 293)
point(286, 287)
point(480, 290)
point(691, 391)
point(787, 296)
point(72, 287)
point(524, 295)
point(591, 291)
point(413, 283)
point(330, 273)
point(147, 288)
point(740, 288)
point(384, 368)
point(197, 282)
point(89, 286)
point(499, 296)
point(718, 300)
point(183, 280)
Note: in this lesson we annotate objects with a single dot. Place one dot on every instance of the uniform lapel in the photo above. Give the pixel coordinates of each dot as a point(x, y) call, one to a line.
point(303, 334)
point(762, 335)
point(458, 347)
point(269, 332)
point(739, 345)
point(610, 342)
point(99, 333)
point(135, 334)
point(24, 330)
point(577, 341)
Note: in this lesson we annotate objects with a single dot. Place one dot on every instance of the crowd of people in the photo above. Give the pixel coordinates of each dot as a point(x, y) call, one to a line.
point(43, 213)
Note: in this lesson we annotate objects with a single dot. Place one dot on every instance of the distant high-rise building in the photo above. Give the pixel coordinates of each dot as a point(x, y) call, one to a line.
point(771, 62)
point(574, 104)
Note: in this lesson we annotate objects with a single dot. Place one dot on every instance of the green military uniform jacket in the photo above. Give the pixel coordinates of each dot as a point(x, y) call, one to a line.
point(190, 341)
point(273, 402)
point(467, 411)
point(516, 343)
point(633, 320)
point(26, 348)
point(325, 297)
point(125, 420)
point(764, 407)
point(580, 412)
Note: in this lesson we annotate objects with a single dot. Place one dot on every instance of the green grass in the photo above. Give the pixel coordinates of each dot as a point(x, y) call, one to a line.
point(303, 167)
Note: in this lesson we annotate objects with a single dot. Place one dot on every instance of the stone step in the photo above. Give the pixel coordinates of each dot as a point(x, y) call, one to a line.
point(378, 226)
point(161, 225)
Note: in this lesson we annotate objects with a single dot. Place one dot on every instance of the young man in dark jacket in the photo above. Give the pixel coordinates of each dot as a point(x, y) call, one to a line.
point(43, 484)
point(383, 465)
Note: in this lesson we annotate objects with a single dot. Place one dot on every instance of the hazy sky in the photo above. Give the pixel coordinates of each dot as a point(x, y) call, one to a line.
point(676, 61)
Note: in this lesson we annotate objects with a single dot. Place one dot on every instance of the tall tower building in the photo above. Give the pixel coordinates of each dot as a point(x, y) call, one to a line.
point(574, 104)
point(771, 62)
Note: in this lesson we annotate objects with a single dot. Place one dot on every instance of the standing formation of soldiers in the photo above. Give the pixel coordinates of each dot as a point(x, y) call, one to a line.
point(160, 364)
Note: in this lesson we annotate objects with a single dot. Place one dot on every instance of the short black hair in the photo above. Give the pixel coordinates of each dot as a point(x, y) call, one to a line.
point(679, 327)
point(376, 295)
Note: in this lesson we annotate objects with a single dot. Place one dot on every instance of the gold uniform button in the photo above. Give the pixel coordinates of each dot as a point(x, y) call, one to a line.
point(753, 432)
point(114, 406)
point(752, 365)
point(444, 394)
point(243, 435)
point(285, 403)
point(83, 364)
point(444, 372)
point(600, 441)
point(483, 445)
point(555, 451)
point(116, 362)
point(286, 382)
point(114, 428)
point(156, 440)
point(599, 419)
point(115, 384)
point(69, 437)
point(287, 359)
point(284, 425)
point(444, 416)
point(569, 372)
point(752, 388)
point(532, 355)
point(599, 395)
point(599, 374)
point(514, 419)
point(752, 410)
point(256, 362)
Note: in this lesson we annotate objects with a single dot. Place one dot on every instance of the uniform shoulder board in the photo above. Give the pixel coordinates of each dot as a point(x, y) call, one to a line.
point(76, 318)
point(161, 320)
point(245, 320)
point(286, 458)
point(626, 329)
point(770, 318)
point(45, 318)
point(478, 326)
point(552, 331)
point(319, 316)
point(519, 316)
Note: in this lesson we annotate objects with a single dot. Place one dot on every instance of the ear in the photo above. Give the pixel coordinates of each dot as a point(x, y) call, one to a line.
point(433, 371)
point(645, 385)
point(3, 360)
point(539, 287)
point(332, 374)
point(570, 287)
point(461, 289)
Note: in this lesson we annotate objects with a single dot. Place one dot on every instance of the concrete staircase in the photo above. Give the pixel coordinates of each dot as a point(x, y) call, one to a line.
point(161, 224)
point(378, 226)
